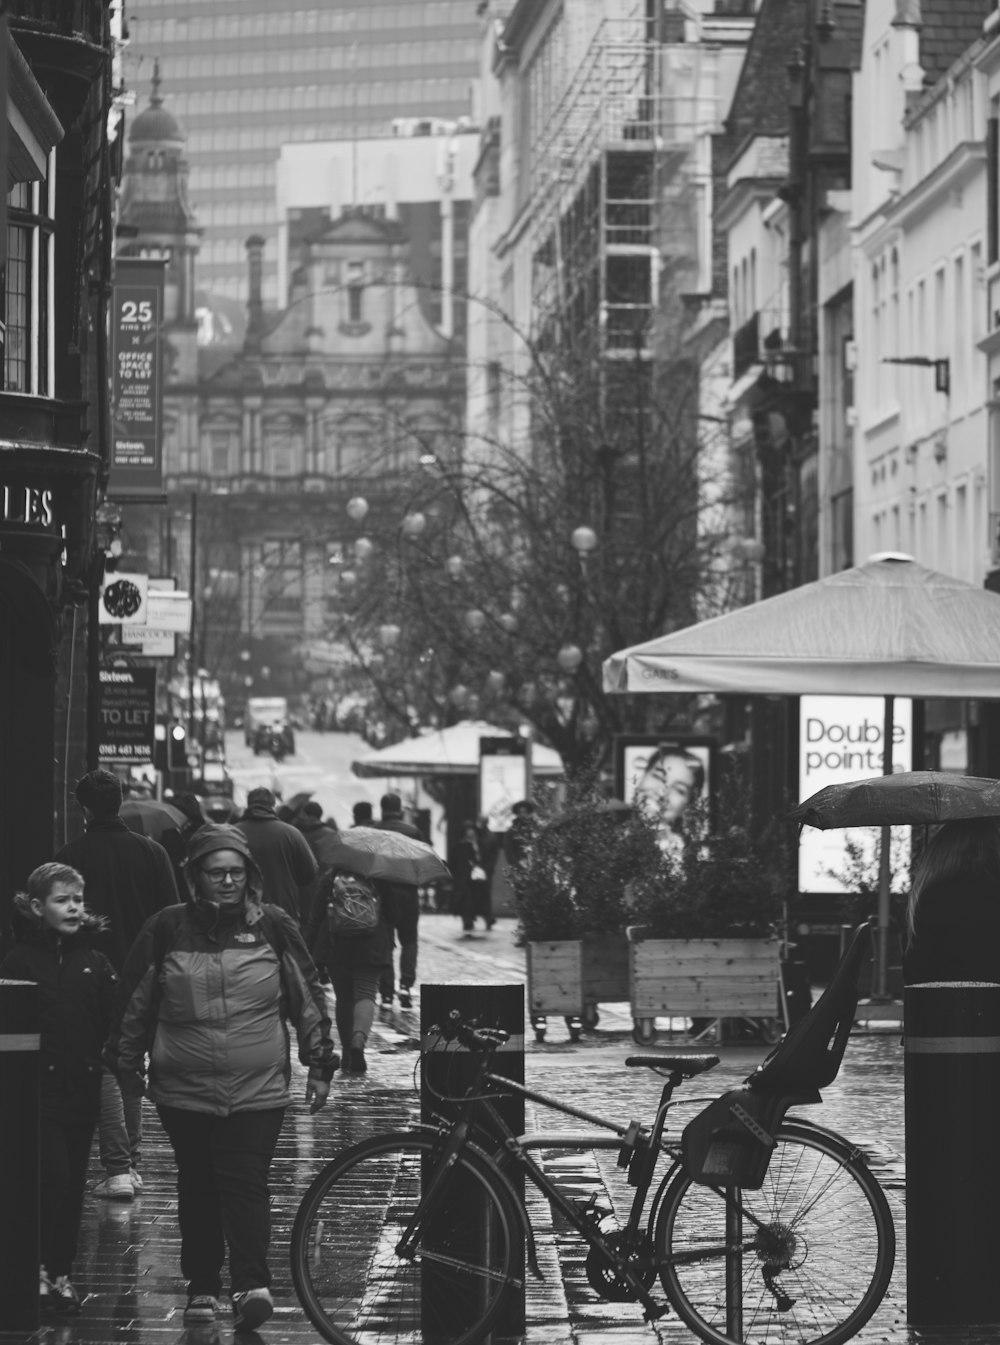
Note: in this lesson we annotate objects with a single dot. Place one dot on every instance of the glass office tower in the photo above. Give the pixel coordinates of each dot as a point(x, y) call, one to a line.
point(244, 77)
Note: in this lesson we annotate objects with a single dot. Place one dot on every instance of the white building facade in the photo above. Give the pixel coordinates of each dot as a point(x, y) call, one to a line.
point(919, 216)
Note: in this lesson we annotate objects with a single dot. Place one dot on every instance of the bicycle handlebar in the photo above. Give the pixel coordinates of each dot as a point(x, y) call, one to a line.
point(470, 1035)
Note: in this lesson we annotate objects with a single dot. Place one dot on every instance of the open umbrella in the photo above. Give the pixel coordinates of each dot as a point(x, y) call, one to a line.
point(386, 854)
point(909, 798)
point(152, 817)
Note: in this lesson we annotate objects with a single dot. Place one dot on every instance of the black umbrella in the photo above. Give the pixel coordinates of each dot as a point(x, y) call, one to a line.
point(909, 798)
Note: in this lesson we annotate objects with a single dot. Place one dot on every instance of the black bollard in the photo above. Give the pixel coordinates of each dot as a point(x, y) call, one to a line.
point(19, 1253)
point(449, 1072)
point(952, 1076)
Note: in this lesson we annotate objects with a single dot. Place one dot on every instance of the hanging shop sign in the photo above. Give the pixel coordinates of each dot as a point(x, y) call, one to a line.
point(137, 381)
point(123, 599)
point(504, 779)
point(127, 715)
point(840, 741)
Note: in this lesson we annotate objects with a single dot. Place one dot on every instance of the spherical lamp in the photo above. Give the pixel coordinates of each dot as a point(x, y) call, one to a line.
point(454, 565)
point(458, 696)
point(584, 540)
point(508, 622)
point(348, 579)
point(388, 634)
point(414, 524)
point(357, 507)
point(570, 657)
point(363, 548)
point(475, 620)
point(495, 680)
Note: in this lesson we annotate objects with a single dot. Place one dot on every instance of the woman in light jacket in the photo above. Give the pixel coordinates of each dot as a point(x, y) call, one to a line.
point(206, 990)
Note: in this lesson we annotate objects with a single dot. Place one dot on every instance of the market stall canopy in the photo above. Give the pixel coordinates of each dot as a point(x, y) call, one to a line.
point(888, 627)
point(451, 751)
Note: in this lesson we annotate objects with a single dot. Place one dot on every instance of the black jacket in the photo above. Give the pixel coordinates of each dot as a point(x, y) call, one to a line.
point(76, 990)
point(956, 933)
point(370, 950)
point(127, 878)
point(283, 856)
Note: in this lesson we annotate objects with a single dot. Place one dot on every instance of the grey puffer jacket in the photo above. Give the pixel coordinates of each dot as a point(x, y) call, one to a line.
point(208, 992)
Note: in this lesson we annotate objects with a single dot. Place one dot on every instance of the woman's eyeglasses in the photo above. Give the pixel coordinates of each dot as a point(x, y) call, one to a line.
point(220, 875)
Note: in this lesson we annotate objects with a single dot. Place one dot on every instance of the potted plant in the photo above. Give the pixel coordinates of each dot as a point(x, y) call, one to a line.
point(703, 940)
point(571, 890)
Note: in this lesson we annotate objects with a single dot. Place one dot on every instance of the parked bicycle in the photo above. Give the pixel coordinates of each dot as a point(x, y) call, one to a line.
point(760, 1228)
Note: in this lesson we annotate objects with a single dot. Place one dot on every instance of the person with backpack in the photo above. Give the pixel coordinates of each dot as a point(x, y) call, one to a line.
point(206, 989)
point(351, 934)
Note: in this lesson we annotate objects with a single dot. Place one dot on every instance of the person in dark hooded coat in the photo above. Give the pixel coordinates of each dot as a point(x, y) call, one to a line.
point(281, 853)
point(76, 986)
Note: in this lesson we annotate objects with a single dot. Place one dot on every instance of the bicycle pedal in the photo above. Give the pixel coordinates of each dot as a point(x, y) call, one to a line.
point(655, 1311)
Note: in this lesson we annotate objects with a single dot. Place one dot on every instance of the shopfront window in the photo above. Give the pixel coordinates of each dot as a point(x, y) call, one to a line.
point(26, 290)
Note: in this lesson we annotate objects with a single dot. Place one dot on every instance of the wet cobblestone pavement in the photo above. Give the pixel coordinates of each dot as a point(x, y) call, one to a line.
point(128, 1266)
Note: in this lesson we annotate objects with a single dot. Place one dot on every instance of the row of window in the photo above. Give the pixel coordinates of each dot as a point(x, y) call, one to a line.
point(238, 26)
point(947, 530)
point(939, 315)
point(442, 55)
point(349, 455)
point(26, 292)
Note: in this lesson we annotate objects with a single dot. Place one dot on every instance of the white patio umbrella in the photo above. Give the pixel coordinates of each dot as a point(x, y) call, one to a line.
point(890, 627)
point(451, 751)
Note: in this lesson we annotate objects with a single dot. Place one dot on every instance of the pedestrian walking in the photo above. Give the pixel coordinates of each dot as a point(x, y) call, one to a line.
point(471, 882)
point(206, 990)
point(75, 996)
point(356, 964)
point(281, 853)
point(362, 814)
point(953, 914)
point(128, 878)
point(321, 837)
point(406, 906)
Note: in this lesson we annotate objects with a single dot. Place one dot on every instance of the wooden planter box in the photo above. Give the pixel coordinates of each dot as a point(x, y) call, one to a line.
point(570, 977)
point(701, 978)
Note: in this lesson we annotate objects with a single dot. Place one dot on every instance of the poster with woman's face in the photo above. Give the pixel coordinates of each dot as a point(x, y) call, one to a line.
point(664, 778)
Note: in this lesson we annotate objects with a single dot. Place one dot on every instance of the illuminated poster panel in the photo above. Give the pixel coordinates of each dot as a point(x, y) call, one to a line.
point(840, 740)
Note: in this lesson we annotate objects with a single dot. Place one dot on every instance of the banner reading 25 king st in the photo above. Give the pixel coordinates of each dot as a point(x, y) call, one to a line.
point(137, 381)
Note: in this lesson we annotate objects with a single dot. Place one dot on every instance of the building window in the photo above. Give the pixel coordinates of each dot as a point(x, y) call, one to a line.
point(355, 291)
point(218, 448)
point(26, 297)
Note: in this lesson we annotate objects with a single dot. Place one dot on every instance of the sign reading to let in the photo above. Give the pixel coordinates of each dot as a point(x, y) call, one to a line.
point(127, 714)
point(137, 380)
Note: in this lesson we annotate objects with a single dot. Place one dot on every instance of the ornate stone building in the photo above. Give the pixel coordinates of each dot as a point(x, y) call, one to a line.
point(336, 395)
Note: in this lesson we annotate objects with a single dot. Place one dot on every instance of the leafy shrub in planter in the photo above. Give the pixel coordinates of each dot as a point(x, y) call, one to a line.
point(726, 884)
point(572, 881)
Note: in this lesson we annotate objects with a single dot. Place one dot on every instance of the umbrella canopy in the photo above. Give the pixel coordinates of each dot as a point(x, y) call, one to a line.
point(152, 817)
point(451, 751)
point(888, 627)
point(386, 854)
point(910, 798)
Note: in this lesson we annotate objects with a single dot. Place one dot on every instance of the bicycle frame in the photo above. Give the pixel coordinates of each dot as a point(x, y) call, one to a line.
point(482, 1128)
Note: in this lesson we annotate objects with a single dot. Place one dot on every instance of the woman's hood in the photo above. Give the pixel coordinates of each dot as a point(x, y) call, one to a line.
point(221, 836)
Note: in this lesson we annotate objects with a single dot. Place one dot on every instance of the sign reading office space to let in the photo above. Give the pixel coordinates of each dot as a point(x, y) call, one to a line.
point(137, 380)
point(840, 741)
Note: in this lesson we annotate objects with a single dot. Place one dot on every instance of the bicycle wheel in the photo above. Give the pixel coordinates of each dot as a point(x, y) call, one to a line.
point(813, 1260)
point(356, 1287)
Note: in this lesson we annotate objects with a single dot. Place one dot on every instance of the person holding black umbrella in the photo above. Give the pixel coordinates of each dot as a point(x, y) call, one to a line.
point(953, 915)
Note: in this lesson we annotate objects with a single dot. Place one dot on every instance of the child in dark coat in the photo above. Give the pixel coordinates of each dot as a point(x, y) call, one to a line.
point(75, 995)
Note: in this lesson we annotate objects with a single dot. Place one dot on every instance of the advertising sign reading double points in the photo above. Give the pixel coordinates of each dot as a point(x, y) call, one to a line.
point(840, 741)
point(128, 715)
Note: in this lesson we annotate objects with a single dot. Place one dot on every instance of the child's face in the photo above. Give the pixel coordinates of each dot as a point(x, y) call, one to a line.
point(62, 908)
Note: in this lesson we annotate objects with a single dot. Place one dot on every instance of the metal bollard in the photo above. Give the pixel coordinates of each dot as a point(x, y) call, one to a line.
point(449, 1072)
point(952, 1074)
point(19, 1060)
